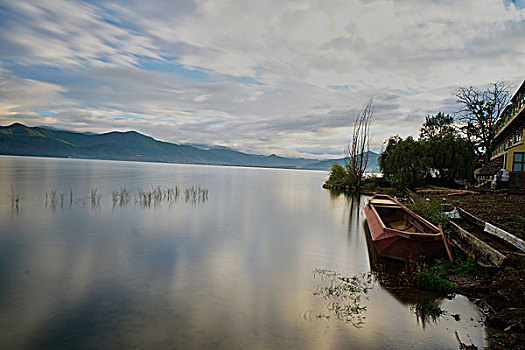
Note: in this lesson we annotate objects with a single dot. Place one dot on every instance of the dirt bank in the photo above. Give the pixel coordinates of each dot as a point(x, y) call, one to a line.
point(501, 296)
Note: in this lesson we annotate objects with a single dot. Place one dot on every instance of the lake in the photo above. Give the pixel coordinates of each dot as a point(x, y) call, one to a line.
point(235, 258)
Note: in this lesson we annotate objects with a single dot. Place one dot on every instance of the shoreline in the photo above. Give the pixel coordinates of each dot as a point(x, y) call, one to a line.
point(160, 162)
point(498, 292)
point(498, 298)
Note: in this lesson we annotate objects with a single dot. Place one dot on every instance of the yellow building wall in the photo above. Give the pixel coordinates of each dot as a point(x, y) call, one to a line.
point(510, 155)
point(509, 152)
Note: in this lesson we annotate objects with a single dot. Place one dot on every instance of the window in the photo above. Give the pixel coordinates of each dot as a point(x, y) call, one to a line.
point(518, 163)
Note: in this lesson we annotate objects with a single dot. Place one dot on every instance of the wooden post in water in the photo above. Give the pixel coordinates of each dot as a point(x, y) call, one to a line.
point(447, 247)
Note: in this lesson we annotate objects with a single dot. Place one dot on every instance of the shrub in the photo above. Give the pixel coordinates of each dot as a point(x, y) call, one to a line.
point(338, 176)
point(417, 274)
point(430, 209)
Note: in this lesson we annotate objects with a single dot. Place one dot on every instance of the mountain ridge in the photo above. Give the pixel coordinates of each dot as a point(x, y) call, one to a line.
point(22, 140)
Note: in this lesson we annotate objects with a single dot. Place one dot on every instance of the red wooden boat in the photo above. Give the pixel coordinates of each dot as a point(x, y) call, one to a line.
point(400, 234)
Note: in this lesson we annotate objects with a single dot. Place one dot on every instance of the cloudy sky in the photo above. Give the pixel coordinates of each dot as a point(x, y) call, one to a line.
point(284, 77)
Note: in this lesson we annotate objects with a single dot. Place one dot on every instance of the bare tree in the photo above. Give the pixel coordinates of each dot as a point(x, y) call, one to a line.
point(356, 151)
point(481, 109)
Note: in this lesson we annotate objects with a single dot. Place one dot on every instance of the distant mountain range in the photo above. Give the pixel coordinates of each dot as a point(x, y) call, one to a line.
point(18, 139)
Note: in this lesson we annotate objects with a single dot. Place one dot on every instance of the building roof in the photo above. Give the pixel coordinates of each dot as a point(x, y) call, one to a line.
point(515, 96)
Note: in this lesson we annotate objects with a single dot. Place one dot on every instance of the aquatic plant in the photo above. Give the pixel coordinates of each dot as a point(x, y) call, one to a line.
point(121, 196)
point(172, 193)
point(52, 195)
point(344, 295)
point(157, 194)
point(195, 194)
point(14, 198)
point(94, 197)
point(146, 198)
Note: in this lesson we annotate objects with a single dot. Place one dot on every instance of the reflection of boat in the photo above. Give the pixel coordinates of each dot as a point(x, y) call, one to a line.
point(389, 273)
point(400, 234)
point(381, 266)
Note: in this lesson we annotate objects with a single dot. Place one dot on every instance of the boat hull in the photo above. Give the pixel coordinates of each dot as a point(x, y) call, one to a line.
point(395, 244)
point(409, 249)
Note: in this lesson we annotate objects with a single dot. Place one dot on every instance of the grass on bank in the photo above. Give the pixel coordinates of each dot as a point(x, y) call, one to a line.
point(423, 276)
point(428, 208)
point(434, 276)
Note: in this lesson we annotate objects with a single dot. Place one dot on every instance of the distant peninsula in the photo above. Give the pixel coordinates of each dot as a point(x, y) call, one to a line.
point(18, 139)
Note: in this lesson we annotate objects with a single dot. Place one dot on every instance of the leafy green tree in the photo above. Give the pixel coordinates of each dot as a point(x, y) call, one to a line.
point(409, 163)
point(437, 125)
point(450, 157)
point(404, 162)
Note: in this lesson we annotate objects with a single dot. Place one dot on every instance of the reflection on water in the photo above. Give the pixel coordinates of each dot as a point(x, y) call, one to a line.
point(232, 271)
point(427, 309)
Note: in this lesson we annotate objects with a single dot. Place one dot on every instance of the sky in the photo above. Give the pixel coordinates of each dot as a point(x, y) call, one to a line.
point(282, 77)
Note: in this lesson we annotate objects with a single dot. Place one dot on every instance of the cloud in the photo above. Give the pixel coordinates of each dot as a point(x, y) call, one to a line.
point(68, 33)
point(201, 98)
point(266, 77)
point(22, 94)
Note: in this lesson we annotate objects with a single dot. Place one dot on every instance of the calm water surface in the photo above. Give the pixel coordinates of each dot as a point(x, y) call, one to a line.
point(233, 271)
